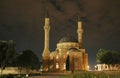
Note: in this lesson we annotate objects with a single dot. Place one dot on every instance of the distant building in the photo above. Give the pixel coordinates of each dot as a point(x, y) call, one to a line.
point(69, 54)
point(102, 67)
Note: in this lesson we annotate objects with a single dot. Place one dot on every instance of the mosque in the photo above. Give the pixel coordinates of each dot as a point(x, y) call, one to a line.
point(69, 54)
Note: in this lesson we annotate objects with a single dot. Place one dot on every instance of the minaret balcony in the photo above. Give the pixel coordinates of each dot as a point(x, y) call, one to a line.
point(47, 27)
point(80, 30)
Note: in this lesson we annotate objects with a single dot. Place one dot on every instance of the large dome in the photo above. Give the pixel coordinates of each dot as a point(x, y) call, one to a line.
point(68, 39)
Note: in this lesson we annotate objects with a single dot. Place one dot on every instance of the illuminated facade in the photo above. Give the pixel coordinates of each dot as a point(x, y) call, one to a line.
point(69, 54)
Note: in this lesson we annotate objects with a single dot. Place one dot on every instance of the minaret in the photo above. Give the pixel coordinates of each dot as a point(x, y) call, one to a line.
point(80, 32)
point(46, 52)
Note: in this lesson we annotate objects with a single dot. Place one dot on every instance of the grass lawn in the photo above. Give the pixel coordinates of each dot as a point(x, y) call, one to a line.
point(76, 74)
point(93, 74)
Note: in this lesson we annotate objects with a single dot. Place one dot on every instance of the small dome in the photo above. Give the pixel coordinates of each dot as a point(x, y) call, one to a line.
point(68, 39)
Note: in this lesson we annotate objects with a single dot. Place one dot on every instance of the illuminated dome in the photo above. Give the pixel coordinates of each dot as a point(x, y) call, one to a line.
point(68, 39)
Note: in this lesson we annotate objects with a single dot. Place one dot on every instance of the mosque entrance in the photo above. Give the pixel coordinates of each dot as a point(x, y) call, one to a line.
point(68, 63)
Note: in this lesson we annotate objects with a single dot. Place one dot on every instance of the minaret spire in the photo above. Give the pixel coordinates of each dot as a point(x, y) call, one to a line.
point(46, 52)
point(46, 14)
point(80, 32)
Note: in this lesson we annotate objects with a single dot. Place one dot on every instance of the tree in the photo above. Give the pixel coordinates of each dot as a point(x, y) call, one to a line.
point(28, 60)
point(100, 54)
point(108, 57)
point(7, 52)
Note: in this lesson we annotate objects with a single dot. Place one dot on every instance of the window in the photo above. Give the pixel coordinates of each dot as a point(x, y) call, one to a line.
point(56, 56)
point(64, 66)
point(57, 65)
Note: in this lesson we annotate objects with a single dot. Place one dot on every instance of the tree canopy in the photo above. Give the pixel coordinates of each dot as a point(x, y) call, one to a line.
point(28, 59)
point(9, 57)
point(108, 56)
point(7, 53)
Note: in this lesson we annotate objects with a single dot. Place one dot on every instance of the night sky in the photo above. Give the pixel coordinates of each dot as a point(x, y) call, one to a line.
point(23, 21)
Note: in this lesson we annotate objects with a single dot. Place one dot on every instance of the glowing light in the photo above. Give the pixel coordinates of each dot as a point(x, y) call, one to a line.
point(57, 57)
point(57, 65)
point(64, 66)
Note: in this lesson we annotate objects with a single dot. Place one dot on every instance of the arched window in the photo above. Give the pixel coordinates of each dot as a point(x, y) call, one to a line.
point(64, 66)
point(57, 57)
point(57, 65)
